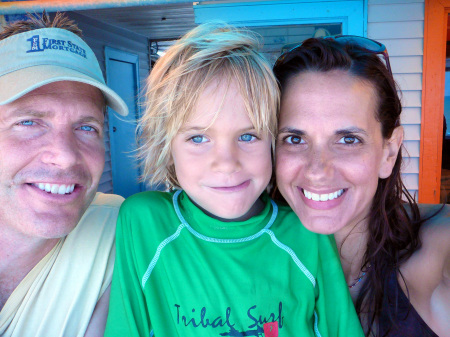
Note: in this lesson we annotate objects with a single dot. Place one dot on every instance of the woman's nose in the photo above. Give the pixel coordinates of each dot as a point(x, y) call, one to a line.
point(319, 165)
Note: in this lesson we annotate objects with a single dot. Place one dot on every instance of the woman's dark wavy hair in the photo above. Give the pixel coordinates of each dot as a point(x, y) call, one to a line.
point(394, 233)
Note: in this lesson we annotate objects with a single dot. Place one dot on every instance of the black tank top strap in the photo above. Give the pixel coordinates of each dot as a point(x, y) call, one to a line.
point(408, 322)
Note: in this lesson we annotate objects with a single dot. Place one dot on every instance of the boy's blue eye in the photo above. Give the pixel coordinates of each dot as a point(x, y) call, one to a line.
point(349, 140)
point(247, 137)
point(198, 139)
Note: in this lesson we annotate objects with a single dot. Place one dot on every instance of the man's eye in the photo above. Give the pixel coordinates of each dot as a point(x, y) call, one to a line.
point(198, 139)
point(27, 123)
point(87, 128)
point(294, 140)
point(247, 137)
point(350, 140)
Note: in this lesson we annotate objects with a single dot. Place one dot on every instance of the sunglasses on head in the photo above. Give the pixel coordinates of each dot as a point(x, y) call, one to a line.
point(368, 45)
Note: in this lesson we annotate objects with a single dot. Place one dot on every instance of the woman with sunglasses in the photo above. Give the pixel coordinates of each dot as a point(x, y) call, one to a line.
point(338, 166)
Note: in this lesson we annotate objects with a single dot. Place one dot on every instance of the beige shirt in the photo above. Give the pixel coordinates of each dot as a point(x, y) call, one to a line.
point(58, 296)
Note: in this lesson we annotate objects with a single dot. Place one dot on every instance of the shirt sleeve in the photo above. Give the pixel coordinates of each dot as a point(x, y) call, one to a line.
point(336, 315)
point(128, 314)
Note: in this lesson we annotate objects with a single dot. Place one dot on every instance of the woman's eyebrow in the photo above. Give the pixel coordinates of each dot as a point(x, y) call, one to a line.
point(350, 130)
point(292, 130)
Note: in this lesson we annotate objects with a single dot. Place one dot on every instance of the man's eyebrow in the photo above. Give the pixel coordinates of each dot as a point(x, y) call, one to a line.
point(292, 130)
point(41, 114)
point(25, 112)
point(88, 119)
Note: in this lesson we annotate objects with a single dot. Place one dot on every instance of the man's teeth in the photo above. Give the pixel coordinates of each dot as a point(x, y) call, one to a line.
point(56, 188)
point(322, 197)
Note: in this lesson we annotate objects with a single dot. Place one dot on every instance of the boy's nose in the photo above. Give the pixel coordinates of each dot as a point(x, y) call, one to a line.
point(226, 159)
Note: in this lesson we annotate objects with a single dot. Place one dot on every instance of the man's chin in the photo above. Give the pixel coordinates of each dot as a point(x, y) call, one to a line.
point(59, 221)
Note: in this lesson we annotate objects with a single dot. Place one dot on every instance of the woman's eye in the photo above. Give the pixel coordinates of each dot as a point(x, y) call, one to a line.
point(198, 139)
point(87, 128)
point(294, 140)
point(247, 137)
point(350, 140)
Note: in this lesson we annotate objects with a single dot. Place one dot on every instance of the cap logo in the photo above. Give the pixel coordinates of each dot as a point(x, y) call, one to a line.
point(40, 44)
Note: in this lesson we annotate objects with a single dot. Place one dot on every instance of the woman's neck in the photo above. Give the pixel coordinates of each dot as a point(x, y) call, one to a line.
point(352, 245)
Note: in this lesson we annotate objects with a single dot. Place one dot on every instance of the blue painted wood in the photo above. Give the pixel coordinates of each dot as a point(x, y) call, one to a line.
point(23, 7)
point(122, 76)
point(351, 13)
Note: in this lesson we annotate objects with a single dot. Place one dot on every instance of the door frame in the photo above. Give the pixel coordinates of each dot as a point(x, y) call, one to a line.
point(433, 84)
point(351, 13)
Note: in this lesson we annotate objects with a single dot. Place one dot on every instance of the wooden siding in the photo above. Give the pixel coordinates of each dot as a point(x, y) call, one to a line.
point(98, 35)
point(399, 25)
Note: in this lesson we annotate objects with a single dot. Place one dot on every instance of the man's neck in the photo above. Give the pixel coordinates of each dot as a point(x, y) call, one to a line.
point(18, 256)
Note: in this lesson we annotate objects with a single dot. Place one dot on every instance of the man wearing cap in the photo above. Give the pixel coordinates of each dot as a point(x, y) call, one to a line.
point(56, 232)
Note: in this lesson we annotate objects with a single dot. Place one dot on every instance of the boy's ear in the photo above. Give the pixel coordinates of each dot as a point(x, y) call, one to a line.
point(390, 152)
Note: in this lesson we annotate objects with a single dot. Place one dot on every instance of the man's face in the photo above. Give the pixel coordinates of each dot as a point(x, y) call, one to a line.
point(51, 159)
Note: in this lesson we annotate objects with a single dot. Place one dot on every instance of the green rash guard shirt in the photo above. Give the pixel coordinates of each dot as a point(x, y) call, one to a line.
point(180, 272)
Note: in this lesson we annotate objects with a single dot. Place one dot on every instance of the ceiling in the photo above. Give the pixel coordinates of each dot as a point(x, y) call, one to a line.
point(156, 22)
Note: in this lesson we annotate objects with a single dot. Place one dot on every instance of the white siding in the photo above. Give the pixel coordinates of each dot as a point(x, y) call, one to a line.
point(399, 25)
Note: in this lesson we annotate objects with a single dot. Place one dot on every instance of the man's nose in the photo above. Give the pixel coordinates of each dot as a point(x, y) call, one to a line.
point(61, 150)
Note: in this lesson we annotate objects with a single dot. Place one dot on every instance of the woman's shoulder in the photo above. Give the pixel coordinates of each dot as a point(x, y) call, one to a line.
point(442, 212)
point(435, 231)
point(435, 237)
point(427, 271)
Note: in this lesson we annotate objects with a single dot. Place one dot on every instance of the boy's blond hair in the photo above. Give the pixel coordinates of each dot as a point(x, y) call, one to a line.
point(208, 52)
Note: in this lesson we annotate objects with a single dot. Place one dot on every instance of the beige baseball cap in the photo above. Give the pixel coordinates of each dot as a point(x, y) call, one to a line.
point(38, 57)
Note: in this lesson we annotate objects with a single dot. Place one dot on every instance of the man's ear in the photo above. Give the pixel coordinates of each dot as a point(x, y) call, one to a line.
point(390, 152)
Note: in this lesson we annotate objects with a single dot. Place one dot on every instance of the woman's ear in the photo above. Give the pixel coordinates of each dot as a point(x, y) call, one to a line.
point(390, 152)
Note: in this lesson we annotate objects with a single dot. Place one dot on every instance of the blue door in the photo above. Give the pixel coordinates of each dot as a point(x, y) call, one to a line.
point(122, 76)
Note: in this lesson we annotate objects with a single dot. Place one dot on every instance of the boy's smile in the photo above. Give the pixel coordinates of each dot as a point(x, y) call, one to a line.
point(220, 160)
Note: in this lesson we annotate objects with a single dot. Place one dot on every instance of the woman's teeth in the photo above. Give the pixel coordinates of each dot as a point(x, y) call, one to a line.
point(322, 197)
point(55, 188)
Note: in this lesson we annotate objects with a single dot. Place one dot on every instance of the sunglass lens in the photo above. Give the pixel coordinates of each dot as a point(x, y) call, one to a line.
point(362, 42)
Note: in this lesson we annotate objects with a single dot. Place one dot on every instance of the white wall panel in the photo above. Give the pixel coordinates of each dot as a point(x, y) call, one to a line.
point(412, 131)
point(411, 115)
point(395, 30)
point(409, 81)
point(404, 47)
point(411, 98)
point(396, 12)
point(406, 64)
point(412, 148)
point(398, 24)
